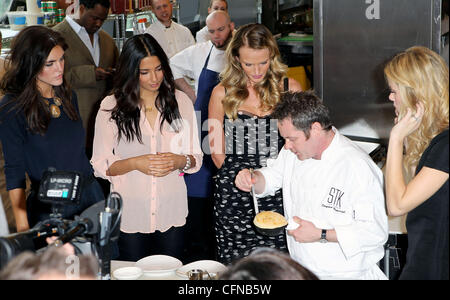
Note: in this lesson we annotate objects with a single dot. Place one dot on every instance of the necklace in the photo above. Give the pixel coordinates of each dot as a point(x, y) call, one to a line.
point(54, 108)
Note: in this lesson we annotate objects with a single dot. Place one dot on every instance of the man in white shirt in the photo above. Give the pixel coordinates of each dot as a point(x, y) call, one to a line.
point(203, 35)
point(191, 61)
point(171, 36)
point(203, 62)
point(332, 193)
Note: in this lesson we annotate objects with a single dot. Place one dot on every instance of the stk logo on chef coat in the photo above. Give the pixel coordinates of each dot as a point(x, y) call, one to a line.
point(333, 200)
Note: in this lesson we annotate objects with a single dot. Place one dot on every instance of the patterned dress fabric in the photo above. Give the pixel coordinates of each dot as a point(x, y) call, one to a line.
point(249, 142)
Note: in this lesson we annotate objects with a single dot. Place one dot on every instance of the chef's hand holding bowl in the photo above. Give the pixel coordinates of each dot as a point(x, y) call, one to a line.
point(268, 223)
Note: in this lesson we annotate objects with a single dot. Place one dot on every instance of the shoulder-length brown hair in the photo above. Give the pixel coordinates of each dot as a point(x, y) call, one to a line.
point(29, 52)
point(234, 79)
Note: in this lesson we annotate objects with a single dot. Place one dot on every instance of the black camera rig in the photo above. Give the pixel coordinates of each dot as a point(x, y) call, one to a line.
point(99, 224)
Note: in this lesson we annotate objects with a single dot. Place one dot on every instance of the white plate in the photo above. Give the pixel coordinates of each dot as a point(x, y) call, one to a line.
point(157, 264)
point(213, 267)
point(128, 273)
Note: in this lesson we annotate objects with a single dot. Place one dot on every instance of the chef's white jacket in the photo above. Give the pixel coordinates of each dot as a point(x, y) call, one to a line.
point(173, 39)
point(342, 191)
point(190, 61)
point(202, 35)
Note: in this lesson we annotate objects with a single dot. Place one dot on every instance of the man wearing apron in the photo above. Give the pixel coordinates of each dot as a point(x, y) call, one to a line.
point(203, 62)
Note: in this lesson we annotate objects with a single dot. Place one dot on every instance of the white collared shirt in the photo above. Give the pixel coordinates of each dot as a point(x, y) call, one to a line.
point(84, 36)
point(341, 191)
point(190, 61)
point(173, 39)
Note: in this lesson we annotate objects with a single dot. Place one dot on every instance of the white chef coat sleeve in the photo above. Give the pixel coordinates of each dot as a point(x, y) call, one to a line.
point(202, 35)
point(368, 229)
point(273, 174)
point(182, 63)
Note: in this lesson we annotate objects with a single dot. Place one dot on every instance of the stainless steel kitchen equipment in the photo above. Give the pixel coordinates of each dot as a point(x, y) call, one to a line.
point(353, 39)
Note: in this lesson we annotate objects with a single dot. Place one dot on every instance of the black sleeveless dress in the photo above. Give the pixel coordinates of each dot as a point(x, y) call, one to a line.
point(249, 142)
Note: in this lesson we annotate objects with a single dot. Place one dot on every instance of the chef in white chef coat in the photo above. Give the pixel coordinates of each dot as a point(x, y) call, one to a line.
point(203, 34)
point(332, 193)
point(171, 36)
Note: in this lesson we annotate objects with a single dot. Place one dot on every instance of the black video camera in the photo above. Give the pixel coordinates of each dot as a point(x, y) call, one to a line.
point(58, 188)
point(61, 188)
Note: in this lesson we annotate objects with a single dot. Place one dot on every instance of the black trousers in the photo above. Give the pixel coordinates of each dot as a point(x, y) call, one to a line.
point(134, 246)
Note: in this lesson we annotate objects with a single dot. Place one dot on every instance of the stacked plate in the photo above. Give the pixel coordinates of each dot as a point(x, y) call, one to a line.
point(127, 273)
point(158, 265)
point(165, 267)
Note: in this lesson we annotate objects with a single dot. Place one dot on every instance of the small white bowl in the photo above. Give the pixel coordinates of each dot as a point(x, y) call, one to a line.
point(128, 273)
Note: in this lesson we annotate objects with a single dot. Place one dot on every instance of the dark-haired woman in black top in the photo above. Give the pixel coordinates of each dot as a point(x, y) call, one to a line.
point(40, 125)
point(145, 137)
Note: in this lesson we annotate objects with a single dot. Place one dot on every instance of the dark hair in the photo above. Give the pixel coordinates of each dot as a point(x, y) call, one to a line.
point(29, 52)
point(267, 264)
point(89, 4)
point(126, 88)
point(304, 108)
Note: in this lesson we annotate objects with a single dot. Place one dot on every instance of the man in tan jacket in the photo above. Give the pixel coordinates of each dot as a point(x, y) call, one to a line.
point(90, 59)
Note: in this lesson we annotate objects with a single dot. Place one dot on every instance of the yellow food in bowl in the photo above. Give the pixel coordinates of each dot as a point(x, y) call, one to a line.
point(269, 220)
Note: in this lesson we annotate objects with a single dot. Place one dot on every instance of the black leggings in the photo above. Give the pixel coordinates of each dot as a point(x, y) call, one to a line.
point(134, 246)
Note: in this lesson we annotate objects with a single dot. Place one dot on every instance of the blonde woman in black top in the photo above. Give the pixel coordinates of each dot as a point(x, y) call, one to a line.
point(250, 87)
point(419, 148)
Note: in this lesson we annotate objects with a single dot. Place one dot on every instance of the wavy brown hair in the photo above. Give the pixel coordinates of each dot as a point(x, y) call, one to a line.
point(126, 113)
point(234, 79)
point(29, 52)
point(421, 76)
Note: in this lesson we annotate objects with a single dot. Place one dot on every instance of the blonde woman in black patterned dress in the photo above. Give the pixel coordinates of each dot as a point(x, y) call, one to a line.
point(242, 135)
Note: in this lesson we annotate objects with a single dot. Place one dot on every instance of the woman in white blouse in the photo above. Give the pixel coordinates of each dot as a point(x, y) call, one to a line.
point(145, 138)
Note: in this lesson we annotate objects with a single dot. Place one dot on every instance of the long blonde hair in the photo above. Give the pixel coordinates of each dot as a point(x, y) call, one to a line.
point(234, 79)
point(421, 75)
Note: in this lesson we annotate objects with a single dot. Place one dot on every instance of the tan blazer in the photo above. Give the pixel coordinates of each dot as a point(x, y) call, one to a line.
point(80, 73)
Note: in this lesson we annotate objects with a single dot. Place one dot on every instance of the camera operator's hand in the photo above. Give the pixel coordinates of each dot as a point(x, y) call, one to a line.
point(68, 248)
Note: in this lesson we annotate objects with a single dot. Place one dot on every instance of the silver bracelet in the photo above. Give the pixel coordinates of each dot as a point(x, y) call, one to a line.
point(188, 163)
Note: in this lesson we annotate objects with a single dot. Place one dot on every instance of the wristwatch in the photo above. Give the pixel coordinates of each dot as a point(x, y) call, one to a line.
point(323, 236)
